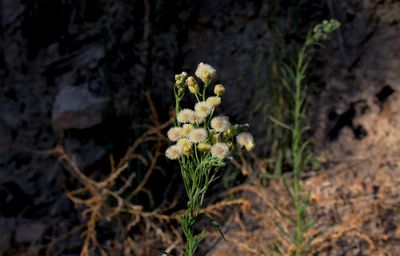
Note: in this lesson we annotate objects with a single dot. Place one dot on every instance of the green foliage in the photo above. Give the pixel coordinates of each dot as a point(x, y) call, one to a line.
point(322, 31)
point(230, 177)
point(203, 144)
point(293, 80)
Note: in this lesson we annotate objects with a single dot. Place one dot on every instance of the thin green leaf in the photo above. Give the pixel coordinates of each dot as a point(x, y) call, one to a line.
point(280, 123)
point(278, 164)
point(309, 224)
point(216, 225)
point(284, 232)
point(287, 189)
point(286, 85)
point(275, 249)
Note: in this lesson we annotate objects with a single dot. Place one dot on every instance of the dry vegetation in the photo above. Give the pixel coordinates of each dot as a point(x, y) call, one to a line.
point(109, 200)
point(353, 206)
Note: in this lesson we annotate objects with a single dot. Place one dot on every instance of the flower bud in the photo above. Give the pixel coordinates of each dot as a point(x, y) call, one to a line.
point(230, 132)
point(230, 146)
point(219, 89)
point(204, 147)
point(180, 80)
point(215, 137)
point(194, 89)
point(186, 146)
point(250, 146)
point(192, 85)
point(191, 81)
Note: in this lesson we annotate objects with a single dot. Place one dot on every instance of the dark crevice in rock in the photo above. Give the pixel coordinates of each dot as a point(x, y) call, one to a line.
point(383, 95)
point(360, 132)
point(346, 120)
point(343, 120)
point(13, 200)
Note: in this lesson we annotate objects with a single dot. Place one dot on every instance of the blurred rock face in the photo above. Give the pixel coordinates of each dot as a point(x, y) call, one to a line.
point(61, 62)
point(77, 108)
point(356, 113)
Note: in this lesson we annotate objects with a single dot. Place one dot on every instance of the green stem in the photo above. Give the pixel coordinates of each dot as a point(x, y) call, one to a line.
point(296, 149)
point(204, 91)
point(197, 97)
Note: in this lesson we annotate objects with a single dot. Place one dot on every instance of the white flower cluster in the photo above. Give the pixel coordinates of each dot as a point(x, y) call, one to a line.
point(196, 131)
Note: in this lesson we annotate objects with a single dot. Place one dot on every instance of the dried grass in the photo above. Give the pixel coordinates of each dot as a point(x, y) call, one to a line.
point(109, 200)
point(353, 206)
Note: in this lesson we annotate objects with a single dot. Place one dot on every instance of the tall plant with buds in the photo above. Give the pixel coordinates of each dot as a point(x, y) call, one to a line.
point(294, 77)
point(202, 143)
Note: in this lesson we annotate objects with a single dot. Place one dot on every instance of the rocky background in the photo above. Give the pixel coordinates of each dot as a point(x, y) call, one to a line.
point(74, 73)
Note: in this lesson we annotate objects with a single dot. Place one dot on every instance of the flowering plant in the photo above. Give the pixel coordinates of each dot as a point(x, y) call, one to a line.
point(203, 143)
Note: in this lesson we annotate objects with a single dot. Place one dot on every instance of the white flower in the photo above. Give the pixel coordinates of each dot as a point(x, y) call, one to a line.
point(214, 101)
point(205, 72)
point(220, 150)
point(243, 138)
point(246, 140)
point(186, 146)
point(186, 128)
point(203, 108)
point(185, 116)
point(198, 135)
point(174, 152)
point(175, 133)
point(220, 123)
point(196, 118)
